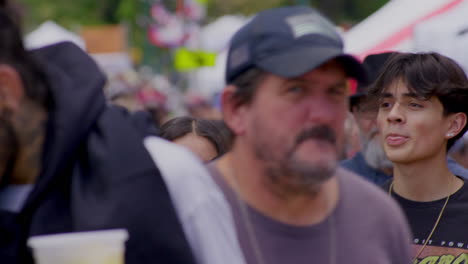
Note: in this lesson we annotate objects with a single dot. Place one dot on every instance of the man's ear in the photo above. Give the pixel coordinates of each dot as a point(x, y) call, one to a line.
point(233, 112)
point(457, 123)
point(11, 88)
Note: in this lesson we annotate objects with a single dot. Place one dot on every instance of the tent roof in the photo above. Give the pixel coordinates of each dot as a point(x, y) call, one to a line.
point(391, 27)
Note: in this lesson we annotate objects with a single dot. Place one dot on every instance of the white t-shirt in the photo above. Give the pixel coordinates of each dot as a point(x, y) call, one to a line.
point(200, 205)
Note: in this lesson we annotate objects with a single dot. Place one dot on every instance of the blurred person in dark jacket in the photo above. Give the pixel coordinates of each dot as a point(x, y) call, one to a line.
point(69, 162)
point(459, 151)
point(371, 161)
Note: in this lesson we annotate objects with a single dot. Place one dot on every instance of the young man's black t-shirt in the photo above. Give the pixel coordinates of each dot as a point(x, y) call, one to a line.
point(449, 242)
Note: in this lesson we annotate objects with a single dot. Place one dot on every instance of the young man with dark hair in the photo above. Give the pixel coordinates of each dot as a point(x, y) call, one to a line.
point(371, 162)
point(69, 162)
point(422, 112)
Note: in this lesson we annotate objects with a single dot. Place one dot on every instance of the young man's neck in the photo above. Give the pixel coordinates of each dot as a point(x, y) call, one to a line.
point(426, 180)
point(246, 177)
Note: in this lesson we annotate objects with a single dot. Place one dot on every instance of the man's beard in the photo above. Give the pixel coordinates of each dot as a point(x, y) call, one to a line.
point(290, 173)
point(373, 152)
point(8, 151)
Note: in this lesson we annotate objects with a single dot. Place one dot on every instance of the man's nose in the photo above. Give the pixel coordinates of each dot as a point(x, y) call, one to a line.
point(396, 114)
point(322, 111)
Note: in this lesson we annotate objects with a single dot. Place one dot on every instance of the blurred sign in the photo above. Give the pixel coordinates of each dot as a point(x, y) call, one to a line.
point(186, 60)
point(105, 39)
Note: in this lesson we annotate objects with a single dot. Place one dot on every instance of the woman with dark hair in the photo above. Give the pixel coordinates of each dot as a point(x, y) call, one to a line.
point(422, 111)
point(209, 139)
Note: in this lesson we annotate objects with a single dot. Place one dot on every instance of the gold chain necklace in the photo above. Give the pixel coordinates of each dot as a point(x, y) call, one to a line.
point(435, 224)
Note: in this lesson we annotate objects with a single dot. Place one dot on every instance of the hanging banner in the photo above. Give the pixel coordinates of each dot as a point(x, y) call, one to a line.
point(192, 10)
point(171, 35)
point(160, 14)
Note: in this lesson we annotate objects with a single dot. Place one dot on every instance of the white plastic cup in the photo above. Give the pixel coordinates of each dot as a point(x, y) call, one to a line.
point(92, 247)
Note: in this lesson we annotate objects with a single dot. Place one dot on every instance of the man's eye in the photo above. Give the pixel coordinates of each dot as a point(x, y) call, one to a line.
point(415, 105)
point(295, 89)
point(385, 105)
point(337, 91)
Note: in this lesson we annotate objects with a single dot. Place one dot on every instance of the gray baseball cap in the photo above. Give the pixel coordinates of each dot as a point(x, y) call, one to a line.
point(288, 42)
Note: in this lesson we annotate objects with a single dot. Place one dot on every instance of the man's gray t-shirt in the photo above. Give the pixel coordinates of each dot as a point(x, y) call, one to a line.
point(365, 227)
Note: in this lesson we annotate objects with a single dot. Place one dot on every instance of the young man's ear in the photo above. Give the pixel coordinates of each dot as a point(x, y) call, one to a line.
point(458, 122)
point(11, 88)
point(233, 113)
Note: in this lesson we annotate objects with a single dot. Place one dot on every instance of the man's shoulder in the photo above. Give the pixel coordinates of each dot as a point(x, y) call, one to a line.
point(368, 205)
point(369, 211)
point(357, 190)
point(352, 181)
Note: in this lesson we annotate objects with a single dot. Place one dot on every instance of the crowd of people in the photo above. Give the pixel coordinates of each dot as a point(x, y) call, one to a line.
point(293, 169)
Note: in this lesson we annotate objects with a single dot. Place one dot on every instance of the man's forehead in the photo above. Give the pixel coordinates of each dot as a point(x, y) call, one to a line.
point(330, 67)
point(396, 87)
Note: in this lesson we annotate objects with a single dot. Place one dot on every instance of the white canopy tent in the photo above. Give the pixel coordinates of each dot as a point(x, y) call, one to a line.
point(214, 37)
point(446, 34)
point(392, 27)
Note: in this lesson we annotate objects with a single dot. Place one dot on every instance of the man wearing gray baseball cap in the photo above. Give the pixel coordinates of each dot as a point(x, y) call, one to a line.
point(286, 101)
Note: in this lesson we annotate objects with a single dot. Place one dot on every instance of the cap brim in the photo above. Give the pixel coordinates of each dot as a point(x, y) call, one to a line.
point(298, 61)
point(358, 95)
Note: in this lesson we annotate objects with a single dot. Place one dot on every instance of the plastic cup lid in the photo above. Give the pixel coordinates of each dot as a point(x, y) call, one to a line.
point(78, 238)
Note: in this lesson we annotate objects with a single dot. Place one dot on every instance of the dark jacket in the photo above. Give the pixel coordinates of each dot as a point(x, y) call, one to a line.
point(358, 165)
point(96, 172)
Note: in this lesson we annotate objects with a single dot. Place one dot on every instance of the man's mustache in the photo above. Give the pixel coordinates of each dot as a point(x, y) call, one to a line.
point(323, 132)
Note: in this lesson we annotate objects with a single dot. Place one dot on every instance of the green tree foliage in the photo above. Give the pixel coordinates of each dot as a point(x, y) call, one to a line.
point(338, 10)
point(76, 13)
point(246, 7)
point(72, 14)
